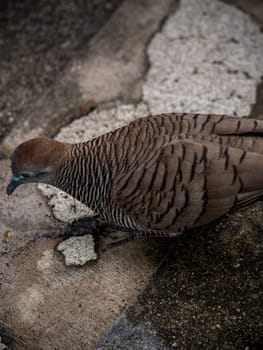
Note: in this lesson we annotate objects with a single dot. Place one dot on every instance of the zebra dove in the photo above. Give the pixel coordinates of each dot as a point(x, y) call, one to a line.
point(158, 175)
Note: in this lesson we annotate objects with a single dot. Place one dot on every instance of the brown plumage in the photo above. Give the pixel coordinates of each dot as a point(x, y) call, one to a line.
point(157, 175)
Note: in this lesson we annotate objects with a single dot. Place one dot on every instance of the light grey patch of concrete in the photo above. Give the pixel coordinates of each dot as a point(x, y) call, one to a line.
point(101, 121)
point(207, 58)
point(64, 207)
point(2, 345)
point(29, 303)
point(126, 336)
point(45, 263)
point(78, 250)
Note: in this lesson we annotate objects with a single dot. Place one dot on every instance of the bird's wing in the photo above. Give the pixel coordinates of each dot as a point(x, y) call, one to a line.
point(229, 125)
point(188, 183)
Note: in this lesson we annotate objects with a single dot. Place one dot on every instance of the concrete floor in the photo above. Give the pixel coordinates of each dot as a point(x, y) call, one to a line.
point(124, 59)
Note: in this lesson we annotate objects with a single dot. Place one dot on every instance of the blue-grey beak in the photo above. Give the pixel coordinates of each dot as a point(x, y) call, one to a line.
point(14, 182)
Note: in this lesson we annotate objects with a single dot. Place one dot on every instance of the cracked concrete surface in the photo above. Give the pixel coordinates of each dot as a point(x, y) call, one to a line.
point(208, 290)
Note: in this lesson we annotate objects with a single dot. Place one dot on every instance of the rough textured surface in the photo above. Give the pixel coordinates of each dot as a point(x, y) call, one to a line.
point(38, 40)
point(208, 292)
point(252, 7)
point(58, 307)
point(207, 59)
point(119, 61)
point(78, 250)
point(64, 207)
point(109, 117)
point(134, 337)
point(108, 66)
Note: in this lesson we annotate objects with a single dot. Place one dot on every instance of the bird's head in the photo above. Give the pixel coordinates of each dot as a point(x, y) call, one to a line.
point(35, 160)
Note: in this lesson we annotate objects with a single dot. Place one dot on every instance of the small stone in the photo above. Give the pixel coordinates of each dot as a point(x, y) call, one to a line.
point(8, 235)
point(78, 250)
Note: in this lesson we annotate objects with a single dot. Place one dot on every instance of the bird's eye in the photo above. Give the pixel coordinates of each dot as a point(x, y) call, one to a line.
point(24, 174)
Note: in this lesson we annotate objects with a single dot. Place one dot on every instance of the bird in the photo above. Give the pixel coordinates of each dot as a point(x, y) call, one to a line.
point(159, 175)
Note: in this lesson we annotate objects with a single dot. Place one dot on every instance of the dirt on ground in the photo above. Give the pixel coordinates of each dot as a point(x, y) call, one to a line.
point(38, 40)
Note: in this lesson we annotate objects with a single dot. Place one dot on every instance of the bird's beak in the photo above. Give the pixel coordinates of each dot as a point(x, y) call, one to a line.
point(14, 182)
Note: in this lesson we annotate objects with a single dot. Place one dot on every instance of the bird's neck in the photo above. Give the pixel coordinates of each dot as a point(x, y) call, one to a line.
point(84, 174)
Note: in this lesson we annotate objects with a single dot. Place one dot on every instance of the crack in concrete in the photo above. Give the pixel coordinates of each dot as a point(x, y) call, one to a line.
point(257, 108)
point(246, 7)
